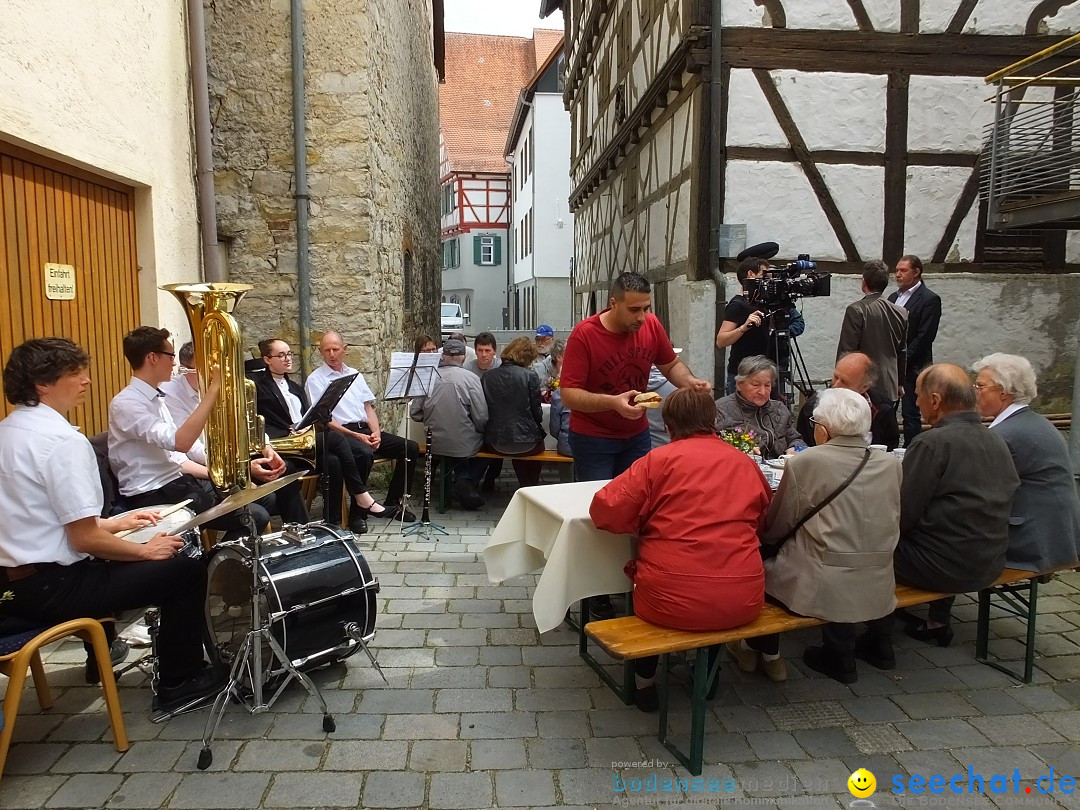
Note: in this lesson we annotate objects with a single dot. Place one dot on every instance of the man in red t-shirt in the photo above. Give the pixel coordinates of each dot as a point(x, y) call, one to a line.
point(607, 362)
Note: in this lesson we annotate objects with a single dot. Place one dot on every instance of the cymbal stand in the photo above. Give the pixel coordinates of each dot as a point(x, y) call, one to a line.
point(248, 664)
point(425, 527)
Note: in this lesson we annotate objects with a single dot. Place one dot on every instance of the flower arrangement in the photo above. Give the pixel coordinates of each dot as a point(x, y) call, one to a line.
point(743, 440)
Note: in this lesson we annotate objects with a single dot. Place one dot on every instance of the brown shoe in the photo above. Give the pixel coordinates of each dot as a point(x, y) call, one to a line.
point(747, 660)
point(776, 670)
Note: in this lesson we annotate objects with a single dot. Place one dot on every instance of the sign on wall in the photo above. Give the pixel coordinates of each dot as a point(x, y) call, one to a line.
point(59, 282)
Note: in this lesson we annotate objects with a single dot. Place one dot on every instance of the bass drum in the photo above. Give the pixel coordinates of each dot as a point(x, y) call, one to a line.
point(317, 595)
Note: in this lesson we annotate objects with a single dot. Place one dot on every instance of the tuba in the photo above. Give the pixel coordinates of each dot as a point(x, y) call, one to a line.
point(233, 431)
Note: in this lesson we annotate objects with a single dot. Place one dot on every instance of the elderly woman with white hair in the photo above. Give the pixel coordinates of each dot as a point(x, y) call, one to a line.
point(751, 409)
point(836, 521)
point(1044, 523)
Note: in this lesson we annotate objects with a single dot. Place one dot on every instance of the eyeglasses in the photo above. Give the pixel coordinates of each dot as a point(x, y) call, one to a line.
point(168, 354)
point(981, 386)
point(283, 355)
point(815, 422)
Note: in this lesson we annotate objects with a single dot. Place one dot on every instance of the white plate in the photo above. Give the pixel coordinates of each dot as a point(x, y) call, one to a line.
point(776, 463)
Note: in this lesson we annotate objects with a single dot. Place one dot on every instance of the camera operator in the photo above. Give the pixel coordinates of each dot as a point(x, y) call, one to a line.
point(746, 330)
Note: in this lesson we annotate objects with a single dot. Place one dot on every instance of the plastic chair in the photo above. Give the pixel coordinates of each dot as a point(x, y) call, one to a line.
point(22, 651)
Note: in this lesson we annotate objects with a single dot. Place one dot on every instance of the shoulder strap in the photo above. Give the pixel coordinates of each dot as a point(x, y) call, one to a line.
point(825, 502)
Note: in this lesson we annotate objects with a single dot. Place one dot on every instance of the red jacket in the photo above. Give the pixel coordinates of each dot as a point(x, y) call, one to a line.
point(696, 506)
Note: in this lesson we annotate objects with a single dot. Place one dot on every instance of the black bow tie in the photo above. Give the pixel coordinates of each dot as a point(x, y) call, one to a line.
point(160, 393)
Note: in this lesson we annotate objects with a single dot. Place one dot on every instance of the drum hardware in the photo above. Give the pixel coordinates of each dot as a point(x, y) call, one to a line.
point(249, 661)
point(239, 498)
point(353, 631)
point(173, 522)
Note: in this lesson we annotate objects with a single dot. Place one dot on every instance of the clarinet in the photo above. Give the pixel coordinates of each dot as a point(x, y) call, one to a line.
point(425, 517)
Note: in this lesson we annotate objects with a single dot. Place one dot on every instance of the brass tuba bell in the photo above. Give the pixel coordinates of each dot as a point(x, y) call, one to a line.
point(298, 445)
point(233, 431)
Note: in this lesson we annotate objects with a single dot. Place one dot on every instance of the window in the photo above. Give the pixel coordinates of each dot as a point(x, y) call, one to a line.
point(454, 299)
point(449, 198)
point(451, 255)
point(487, 250)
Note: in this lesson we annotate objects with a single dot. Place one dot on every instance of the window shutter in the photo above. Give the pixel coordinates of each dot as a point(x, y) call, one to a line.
point(476, 254)
point(496, 255)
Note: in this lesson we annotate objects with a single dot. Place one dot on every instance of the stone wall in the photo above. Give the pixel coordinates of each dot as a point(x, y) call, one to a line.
point(372, 149)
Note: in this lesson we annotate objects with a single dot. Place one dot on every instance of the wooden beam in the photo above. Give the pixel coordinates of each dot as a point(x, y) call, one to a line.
point(895, 194)
point(861, 17)
point(777, 15)
point(909, 16)
point(802, 155)
point(962, 15)
point(879, 52)
point(963, 207)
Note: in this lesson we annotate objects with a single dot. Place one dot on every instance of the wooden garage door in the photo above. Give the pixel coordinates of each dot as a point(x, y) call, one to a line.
point(52, 213)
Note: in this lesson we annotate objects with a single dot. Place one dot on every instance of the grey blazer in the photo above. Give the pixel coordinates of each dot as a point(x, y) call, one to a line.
point(1044, 524)
point(875, 327)
point(839, 565)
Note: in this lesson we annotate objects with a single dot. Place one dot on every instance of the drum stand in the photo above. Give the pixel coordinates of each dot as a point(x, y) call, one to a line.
point(249, 663)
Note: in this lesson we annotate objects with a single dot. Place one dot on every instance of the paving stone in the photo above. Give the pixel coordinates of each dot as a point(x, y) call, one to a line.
point(491, 620)
point(87, 758)
point(875, 683)
point(927, 762)
point(224, 751)
point(421, 726)
point(151, 755)
point(877, 739)
point(86, 790)
point(458, 638)
point(935, 704)
point(396, 701)
point(1062, 757)
point(28, 758)
point(1066, 723)
point(438, 755)
point(603, 752)
point(929, 680)
point(425, 621)
point(515, 677)
point(231, 790)
point(500, 656)
point(582, 786)
point(490, 726)
point(315, 790)
point(457, 656)
point(449, 678)
point(775, 745)
point(367, 755)
point(556, 753)
point(980, 676)
point(552, 699)
point(743, 719)
point(873, 709)
point(1015, 729)
point(999, 759)
point(145, 790)
point(766, 779)
point(279, 755)
point(823, 714)
point(527, 788)
point(460, 790)
point(571, 677)
point(393, 790)
point(473, 700)
point(942, 733)
point(621, 722)
point(28, 791)
point(725, 747)
point(34, 727)
point(1041, 699)
point(562, 724)
point(818, 776)
point(490, 755)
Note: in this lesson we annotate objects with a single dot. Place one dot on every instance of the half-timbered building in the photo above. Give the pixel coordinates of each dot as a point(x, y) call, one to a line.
point(846, 129)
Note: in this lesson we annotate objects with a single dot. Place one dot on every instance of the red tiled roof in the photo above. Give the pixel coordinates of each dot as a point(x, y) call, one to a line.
point(484, 76)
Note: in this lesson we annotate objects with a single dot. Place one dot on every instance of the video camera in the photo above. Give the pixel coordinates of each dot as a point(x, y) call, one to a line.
point(780, 287)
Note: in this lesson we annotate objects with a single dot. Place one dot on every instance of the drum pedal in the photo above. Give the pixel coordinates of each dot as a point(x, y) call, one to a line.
point(160, 715)
point(353, 631)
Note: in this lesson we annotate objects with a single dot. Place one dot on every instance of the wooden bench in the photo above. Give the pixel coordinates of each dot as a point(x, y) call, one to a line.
point(629, 638)
point(443, 481)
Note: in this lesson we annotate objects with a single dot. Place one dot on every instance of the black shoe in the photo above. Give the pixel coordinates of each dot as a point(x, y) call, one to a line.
point(399, 512)
point(488, 485)
point(942, 636)
point(907, 618)
point(209, 682)
point(875, 651)
point(600, 608)
point(357, 519)
point(467, 495)
point(839, 668)
point(118, 651)
point(646, 698)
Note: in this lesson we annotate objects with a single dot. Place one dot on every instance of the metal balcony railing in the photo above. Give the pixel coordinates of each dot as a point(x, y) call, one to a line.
point(1031, 160)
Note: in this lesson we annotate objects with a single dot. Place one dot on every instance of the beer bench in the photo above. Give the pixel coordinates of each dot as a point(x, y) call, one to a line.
point(628, 638)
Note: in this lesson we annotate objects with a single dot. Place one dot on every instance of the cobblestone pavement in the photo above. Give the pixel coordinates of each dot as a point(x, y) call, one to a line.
point(481, 711)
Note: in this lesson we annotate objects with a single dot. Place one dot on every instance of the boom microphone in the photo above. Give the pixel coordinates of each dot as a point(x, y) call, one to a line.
point(766, 250)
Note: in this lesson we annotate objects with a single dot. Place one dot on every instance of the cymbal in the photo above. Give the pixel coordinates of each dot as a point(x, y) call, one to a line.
point(238, 499)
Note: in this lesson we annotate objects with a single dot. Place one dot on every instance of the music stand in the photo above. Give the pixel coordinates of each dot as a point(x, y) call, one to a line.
point(319, 416)
point(413, 375)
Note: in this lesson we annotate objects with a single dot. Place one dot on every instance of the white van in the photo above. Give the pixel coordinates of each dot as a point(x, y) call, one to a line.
point(453, 319)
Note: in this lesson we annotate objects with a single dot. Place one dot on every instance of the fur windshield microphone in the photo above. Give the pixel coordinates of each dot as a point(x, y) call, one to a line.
point(766, 250)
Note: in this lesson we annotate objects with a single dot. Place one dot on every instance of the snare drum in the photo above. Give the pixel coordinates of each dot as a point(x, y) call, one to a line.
point(192, 546)
point(317, 594)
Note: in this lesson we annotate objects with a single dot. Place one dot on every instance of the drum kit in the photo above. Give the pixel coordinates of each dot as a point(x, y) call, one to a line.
point(278, 605)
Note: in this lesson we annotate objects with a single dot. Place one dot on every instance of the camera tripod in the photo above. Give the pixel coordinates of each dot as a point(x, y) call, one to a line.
point(248, 664)
point(783, 347)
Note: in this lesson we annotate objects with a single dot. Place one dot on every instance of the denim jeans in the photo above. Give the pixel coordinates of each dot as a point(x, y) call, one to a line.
point(597, 459)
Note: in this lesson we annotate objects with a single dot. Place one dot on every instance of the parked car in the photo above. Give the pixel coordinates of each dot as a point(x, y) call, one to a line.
point(453, 319)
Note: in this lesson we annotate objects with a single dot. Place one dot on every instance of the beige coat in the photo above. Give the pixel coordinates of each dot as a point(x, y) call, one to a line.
point(839, 565)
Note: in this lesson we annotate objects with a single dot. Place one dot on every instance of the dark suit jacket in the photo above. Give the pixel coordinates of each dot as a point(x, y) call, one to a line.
point(924, 315)
point(270, 404)
point(877, 328)
point(883, 427)
point(1044, 524)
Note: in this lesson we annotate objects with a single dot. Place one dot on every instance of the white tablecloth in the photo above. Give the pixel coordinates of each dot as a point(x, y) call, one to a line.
point(549, 527)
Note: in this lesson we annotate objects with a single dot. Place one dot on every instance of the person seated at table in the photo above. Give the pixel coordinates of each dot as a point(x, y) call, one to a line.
point(1044, 523)
point(515, 418)
point(834, 557)
point(696, 506)
point(959, 482)
point(750, 409)
point(425, 344)
point(857, 372)
point(456, 412)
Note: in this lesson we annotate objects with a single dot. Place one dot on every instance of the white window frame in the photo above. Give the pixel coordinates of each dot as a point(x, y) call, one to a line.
point(487, 251)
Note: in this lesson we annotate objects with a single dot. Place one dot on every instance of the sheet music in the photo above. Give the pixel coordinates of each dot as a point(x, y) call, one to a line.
point(427, 370)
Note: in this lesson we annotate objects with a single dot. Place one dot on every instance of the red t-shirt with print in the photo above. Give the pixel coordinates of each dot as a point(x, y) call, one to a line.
point(604, 362)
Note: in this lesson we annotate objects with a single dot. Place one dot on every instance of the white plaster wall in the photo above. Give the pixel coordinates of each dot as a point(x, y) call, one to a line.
point(854, 108)
point(857, 192)
point(750, 121)
point(948, 113)
point(522, 204)
point(776, 203)
point(834, 14)
point(104, 86)
point(885, 14)
point(1010, 17)
point(932, 192)
point(554, 229)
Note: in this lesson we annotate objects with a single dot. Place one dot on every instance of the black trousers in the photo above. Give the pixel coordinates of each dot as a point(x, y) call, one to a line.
point(99, 588)
point(203, 496)
point(391, 447)
point(341, 470)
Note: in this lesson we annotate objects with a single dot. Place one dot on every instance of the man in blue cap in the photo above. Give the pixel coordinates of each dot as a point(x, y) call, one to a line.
point(545, 339)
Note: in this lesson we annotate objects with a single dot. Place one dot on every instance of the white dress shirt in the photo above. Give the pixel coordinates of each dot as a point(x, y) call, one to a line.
point(1009, 411)
point(48, 478)
point(142, 439)
point(903, 297)
point(182, 400)
point(350, 408)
